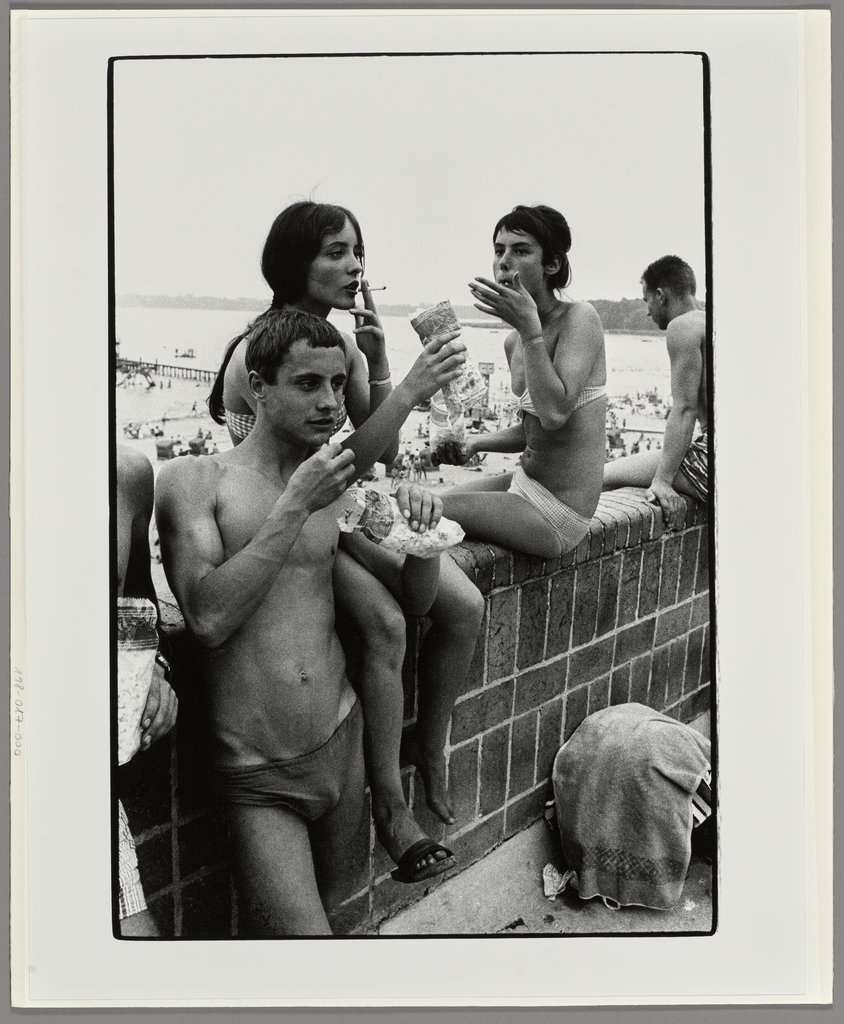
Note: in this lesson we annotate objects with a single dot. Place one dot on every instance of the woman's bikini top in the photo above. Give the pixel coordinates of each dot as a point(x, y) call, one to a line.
point(241, 423)
point(591, 393)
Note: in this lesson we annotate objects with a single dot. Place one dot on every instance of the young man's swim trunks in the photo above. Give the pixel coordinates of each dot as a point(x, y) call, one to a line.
point(130, 893)
point(570, 526)
point(695, 466)
point(310, 784)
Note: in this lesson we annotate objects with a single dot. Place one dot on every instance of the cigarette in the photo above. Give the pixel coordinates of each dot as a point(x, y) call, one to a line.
point(378, 288)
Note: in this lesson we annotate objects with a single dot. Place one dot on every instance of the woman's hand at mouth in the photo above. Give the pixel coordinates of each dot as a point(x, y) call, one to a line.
point(368, 332)
point(512, 303)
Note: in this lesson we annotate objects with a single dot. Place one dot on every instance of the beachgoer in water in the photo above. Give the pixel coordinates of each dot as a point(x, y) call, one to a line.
point(249, 539)
point(679, 465)
point(137, 619)
point(558, 377)
point(313, 260)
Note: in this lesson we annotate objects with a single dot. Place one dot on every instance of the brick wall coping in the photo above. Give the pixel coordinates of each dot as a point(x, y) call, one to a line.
point(623, 519)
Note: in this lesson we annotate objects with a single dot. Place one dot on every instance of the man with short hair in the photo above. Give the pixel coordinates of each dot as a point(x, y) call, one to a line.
point(249, 538)
point(681, 467)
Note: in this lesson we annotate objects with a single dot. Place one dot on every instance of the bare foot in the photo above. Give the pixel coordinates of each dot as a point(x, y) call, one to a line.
point(398, 831)
point(432, 770)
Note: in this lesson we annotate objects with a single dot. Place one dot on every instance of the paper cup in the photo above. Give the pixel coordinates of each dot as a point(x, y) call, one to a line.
point(437, 320)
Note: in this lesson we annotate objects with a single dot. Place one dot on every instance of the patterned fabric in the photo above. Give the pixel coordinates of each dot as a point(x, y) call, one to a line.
point(524, 403)
point(624, 786)
point(695, 465)
point(241, 423)
point(570, 526)
point(130, 896)
point(137, 642)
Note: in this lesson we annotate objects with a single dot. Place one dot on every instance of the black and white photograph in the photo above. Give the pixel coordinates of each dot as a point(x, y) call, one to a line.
point(439, 619)
point(432, 612)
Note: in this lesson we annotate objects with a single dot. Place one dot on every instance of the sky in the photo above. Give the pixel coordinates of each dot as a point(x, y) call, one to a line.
point(428, 152)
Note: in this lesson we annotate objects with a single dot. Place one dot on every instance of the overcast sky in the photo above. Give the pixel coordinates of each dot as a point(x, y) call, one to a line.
point(427, 151)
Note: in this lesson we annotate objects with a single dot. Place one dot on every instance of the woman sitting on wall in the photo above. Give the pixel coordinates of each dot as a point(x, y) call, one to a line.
point(558, 376)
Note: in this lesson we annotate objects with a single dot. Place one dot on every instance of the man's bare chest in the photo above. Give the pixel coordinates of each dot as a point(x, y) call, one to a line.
point(245, 507)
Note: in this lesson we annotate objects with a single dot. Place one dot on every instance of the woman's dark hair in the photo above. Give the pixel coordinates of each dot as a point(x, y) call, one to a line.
point(292, 245)
point(278, 329)
point(550, 229)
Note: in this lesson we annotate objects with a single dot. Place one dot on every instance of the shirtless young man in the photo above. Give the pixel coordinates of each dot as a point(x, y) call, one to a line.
point(249, 539)
point(668, 287)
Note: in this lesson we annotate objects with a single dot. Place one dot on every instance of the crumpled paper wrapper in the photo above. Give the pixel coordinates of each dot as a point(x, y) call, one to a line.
point(554, 882)
point(381, 521)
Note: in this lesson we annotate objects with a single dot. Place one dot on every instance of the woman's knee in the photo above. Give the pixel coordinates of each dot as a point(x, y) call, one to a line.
point(383, 626)
point(459, 606)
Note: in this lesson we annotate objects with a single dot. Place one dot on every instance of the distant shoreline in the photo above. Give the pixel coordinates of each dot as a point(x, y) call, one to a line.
point(623, 316)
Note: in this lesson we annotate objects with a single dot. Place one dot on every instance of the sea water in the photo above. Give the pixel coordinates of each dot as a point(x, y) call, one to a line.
point(634, 364)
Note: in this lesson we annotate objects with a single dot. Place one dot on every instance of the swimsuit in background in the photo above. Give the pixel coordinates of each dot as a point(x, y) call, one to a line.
point(241, 423)
point(695, 465)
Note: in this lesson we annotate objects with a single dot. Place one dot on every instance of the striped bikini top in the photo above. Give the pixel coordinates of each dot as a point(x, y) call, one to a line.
point(591, 393)
point(241, 423)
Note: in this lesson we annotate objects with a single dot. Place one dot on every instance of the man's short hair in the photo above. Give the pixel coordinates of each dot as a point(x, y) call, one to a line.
point(275, 332)
point(672, 273)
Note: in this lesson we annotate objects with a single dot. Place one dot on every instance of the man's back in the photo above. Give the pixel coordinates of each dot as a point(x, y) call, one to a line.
point(686, 341)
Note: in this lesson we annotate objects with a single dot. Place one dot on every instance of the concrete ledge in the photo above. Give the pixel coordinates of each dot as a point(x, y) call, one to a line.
point(624, 617)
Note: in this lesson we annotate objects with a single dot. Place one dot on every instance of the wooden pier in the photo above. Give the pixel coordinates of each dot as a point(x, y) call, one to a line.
point(131, 366)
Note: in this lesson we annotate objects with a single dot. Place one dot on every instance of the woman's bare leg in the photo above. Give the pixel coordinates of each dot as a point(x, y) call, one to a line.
point(443, 662)
point(380, 624)
point(504, 519)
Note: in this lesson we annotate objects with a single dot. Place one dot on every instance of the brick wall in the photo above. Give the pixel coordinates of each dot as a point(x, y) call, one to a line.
point(625, 617)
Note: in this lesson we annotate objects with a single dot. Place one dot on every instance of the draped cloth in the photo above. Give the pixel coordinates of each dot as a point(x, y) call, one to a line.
point(624, 787)
point(137, 642)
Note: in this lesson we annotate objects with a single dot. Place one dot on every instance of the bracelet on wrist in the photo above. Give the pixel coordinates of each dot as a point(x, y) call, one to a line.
point(533, 337)
point(380, 382)
point(165, 665)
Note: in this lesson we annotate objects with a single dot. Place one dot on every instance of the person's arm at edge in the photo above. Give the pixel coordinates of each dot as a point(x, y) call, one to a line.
point(136, 475)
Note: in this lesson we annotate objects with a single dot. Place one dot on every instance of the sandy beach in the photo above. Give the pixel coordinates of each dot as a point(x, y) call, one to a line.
point(140, 404)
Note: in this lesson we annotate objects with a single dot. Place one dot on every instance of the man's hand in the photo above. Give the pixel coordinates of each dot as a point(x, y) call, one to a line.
point(321, 479)
point(440, 362)
point(422, 509)
point(160, 710)
point(669, 500)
